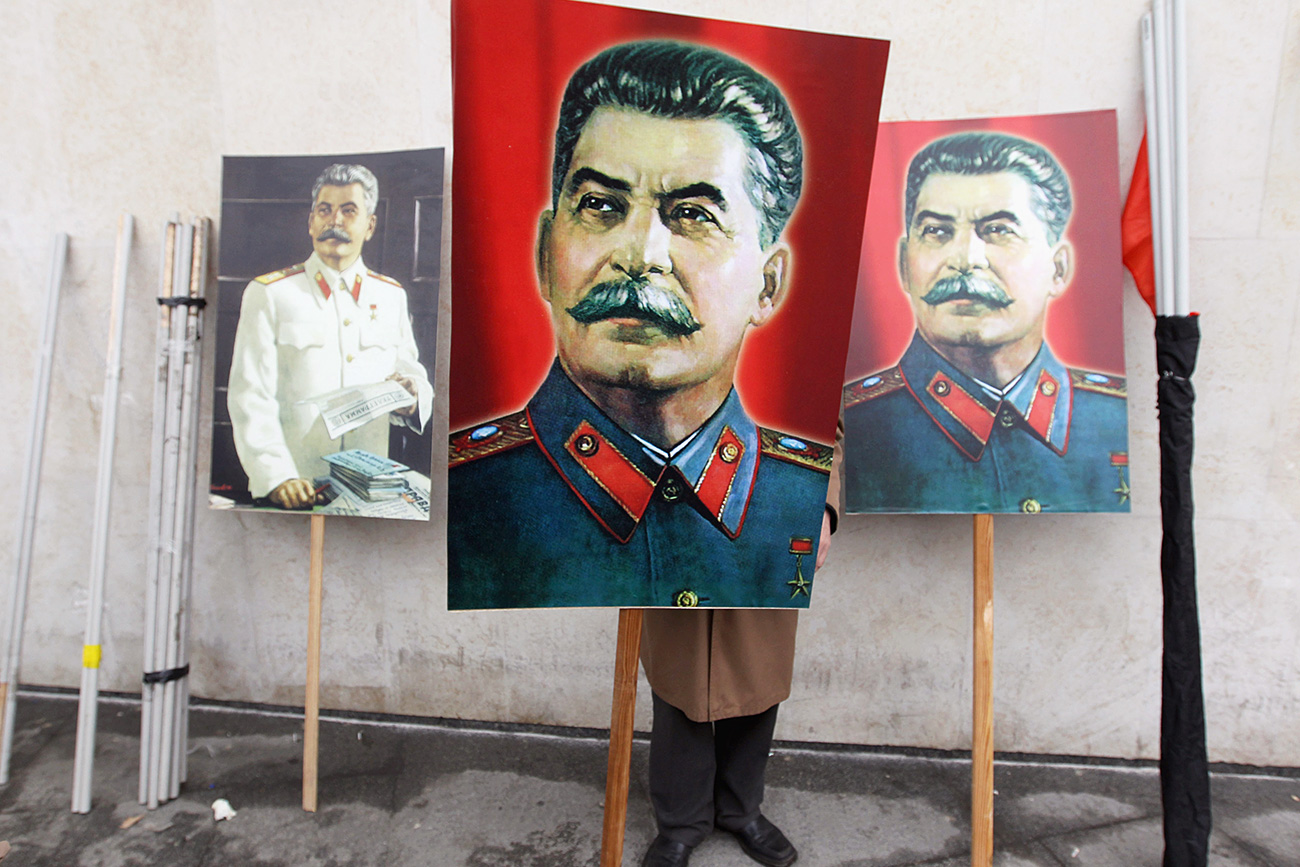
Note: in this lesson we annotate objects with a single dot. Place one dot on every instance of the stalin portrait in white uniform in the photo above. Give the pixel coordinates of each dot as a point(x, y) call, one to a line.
point(313, 328)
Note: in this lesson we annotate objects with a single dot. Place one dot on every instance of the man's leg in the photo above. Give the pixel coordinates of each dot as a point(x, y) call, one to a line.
point(681, 774)
point(742, 747)
point(742, 744)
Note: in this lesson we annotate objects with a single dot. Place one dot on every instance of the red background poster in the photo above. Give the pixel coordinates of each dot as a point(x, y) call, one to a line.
point(511, 61)
point(1085, 325)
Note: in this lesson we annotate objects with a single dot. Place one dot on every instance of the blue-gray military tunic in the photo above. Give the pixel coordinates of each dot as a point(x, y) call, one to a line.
point(557, 505)
point(924, 437)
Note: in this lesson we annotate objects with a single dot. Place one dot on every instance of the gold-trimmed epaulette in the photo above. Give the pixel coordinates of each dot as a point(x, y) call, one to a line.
point(873, 386)
point(383, 277)
point(1101, 383)
point(489, 438)
point(281, 274)
point(796, 450)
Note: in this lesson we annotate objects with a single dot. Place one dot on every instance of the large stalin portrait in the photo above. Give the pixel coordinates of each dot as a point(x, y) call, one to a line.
point(634, 476)
point(979, 415)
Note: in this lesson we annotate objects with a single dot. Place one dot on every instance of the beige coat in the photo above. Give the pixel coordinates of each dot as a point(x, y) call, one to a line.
point(716, 664)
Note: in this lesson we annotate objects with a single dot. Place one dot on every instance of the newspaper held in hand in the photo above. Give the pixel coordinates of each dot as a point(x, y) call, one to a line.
point(368, 475)
point(347, 409)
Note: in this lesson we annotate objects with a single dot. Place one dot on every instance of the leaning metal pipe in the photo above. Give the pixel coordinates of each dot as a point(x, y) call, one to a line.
point(88, 706)
point(147, 690)
point(31, 494)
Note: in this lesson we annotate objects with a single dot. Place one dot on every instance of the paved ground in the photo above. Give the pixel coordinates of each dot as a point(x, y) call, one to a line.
point(442, 794)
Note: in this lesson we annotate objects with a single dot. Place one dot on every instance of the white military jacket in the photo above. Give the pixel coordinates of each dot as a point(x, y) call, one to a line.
point(305, 331)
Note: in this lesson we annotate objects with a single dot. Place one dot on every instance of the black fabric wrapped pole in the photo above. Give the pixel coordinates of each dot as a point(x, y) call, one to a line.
point(1184, 771)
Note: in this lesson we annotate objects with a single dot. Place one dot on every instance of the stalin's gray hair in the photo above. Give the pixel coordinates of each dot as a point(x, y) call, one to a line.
point(984, 153)
point(680, 80)
point(344, 175)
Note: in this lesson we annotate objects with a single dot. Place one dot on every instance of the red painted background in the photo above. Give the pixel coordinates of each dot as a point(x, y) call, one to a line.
point(1085, 325)
point(511, 60)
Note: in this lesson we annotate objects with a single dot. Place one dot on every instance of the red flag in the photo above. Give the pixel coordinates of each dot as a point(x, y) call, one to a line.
point(1135, 229)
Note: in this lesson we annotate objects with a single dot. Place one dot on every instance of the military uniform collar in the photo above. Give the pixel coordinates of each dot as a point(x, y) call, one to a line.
point(608, 470)
point(326, 279)
point(1039, 403)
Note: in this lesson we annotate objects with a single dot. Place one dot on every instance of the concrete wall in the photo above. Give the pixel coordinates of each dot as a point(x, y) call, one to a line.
point(129, 105)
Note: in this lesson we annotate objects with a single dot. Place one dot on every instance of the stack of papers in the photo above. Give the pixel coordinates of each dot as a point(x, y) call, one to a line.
point(368, 475)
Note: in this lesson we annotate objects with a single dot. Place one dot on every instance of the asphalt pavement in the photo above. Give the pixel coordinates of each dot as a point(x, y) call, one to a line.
point(405, 792)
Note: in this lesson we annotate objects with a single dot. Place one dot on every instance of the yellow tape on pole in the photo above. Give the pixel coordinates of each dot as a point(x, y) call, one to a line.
point(91, 654)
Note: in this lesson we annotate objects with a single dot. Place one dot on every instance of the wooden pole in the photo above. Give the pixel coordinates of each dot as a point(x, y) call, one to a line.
point(311, 721)
point(622, 717)
point(981, 808)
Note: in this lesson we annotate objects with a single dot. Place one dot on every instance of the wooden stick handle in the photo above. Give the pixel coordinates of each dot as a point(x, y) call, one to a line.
point(620, 736)
point(311, 719)
point(981, 854)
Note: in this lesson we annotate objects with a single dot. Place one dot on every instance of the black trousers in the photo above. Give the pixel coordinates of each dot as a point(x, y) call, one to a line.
point(702, 774)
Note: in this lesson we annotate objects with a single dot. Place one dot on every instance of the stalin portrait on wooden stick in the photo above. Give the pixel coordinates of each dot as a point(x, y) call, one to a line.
point(317, 329)
point(634, 476)
point(979, 414)
point(602, 454)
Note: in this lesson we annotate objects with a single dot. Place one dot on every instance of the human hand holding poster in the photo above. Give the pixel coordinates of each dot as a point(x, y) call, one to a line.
point(687, 194)
point(329, 272)
point(986, 366)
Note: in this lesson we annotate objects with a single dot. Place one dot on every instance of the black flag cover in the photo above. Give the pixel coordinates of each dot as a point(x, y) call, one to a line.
point(1184, 773)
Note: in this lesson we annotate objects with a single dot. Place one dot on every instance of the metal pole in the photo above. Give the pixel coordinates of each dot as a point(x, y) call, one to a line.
point(84, 757)
point(198, 290)
point(1182, 268)
point(185, 500)
point(1164, 125)
point(1149, 93)
point(148, 736)
point(31, 492)
point(173, 520)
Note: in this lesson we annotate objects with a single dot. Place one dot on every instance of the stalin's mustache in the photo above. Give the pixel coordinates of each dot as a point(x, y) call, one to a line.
point(636, 299)
point(334, 233)
point(968, 286)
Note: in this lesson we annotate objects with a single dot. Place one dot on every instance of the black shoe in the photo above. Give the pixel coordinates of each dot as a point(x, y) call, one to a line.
point(668, 853)
point(765, 843)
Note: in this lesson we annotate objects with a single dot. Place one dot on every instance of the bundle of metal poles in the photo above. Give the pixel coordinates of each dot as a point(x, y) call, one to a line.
point(87, 710)
point(164, 711)
point(1184, 767)
point(1164, 68)
point(27, 525)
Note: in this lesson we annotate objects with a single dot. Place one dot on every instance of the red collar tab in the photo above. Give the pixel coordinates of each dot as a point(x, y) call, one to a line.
point(1042, 407)
point(611, 469)
point(974, 416)
point(719, 476)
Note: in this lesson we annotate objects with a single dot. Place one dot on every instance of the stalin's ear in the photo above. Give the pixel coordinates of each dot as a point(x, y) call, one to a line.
point(776, 279)
point(542, 254)
point(1062, 267)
